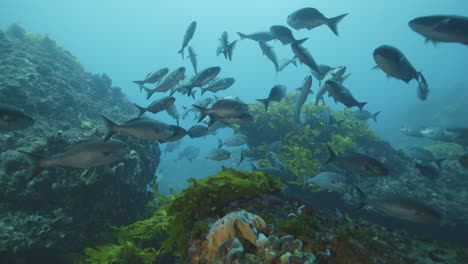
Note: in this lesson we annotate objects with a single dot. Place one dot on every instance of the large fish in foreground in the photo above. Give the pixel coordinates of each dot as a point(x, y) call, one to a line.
point(357, 163)
point(392, 61)
point(12, 119)
point(83, 155)
point(276, 94)
point(403, 208)
point(342, 94)
point(141, 128)
point(310, 18)
point(225, 47)
point(442, 28)
point(188, 36)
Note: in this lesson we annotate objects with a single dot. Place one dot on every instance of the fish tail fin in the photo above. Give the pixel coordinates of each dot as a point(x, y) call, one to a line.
point(140, 84)
point(203, 90)
point(265, 102)
point(300, 41)
point(331, 156)
point(231, 49)
point(212, 120)
point(220, 143)
point(294, 62)
point(361, 105)
point(111, 127)
point(423, 88)
point(149, 92)
point(241, 35)
point(332, 23)
point(374, 116)
point(203, 112)
point(181, 51)
point(34, 161)
point(141, 110)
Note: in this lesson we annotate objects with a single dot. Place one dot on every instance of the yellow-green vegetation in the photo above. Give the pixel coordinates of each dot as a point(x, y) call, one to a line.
point(449, 150)
point(177, 220)
point(304, 146)
point(207, 198)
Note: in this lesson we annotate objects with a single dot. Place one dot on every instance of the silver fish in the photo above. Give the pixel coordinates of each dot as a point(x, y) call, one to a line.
point(157, 106)
point(188, 36)
point(442, 28)
point(270, 53)
point(225, 47)
point(310, 18)
point(193, 58)
point(153, 77)
point(264, 36)
point(141, 128)
point(301, 97)
point(219, 85)
point(84, 154)
point(218, 154)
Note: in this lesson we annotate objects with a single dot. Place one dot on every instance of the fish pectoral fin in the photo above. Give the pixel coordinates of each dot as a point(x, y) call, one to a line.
point(376, 67)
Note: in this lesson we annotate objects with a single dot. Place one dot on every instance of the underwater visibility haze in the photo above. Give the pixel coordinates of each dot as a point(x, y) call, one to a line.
point(233, 131)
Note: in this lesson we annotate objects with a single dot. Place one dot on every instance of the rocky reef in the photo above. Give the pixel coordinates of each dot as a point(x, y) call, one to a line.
point(62, 210)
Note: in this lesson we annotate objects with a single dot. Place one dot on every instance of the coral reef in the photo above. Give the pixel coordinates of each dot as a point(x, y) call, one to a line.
point(62, 209)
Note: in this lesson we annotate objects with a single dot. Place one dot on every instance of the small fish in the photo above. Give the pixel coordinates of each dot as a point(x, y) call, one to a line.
point(197, 131)
point(153, 77)
point(284, 35)
point(188, 36)
point(304, 57)
point(392, 61)
point(403, 208)
point(342, 94)
point(330, 181)
point(233, 141)
point(12, 119)
point(190, 152)
point(225, 47)
point(275, 146)
point(273, 171)
point(167, 83)
point(270, 53)
point(277, 93)
point(193, 58)
point(427, 170)
point(219, 85)
point(83, 155)
point(275, 161)
point(218, 155)
point(224, 108)
point(202, 78)
point(365, 115)
point(172, 111)
point(141, 128)
point(157, 106)
point(285, 62)
point(411, 132)
point(301, 97)
point(441, 28)
point(171, 146)
point(425, 155)
point(357, 163)
point(310, 18)
point(264, 36)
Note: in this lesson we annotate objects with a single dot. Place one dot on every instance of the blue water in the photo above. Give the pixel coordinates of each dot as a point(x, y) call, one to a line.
point(128, 39)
